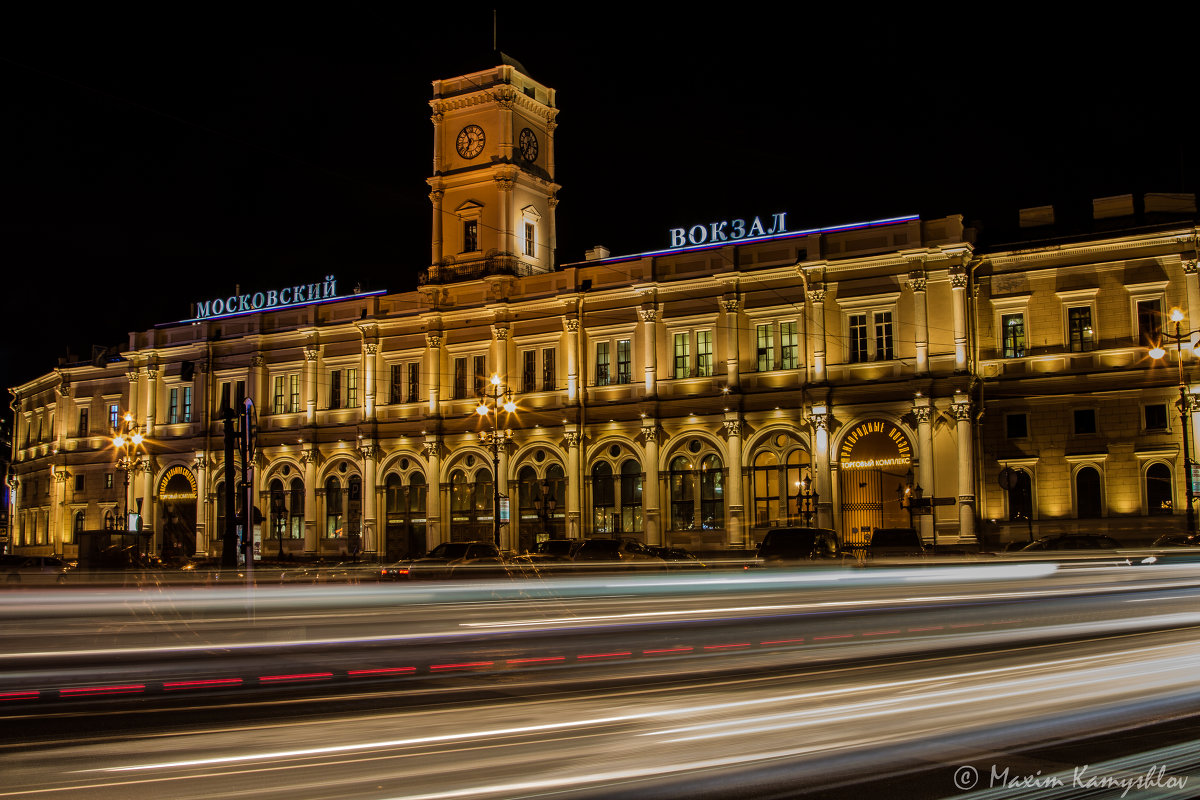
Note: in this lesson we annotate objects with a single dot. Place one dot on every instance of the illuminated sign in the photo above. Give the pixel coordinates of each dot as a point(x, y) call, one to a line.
point(728, 231)
point(288, 297)
point(173, 472)
point(875, 444)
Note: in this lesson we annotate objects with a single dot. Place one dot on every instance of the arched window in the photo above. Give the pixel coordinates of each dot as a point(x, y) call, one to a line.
point(405, 508)
point(110, 520)
point(296, 509)
point(334, 515)
point(77, 526)
point(471, 501)
point(1158, 490)
point(603, 498)
point(697, 485)
point(1020, 498)
point(765, 481)
point(278, 509)
point(1087, 493)
point(631, 497)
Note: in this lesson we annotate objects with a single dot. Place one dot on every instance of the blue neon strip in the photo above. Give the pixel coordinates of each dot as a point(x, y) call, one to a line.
point(276, 308)
point(697, 248)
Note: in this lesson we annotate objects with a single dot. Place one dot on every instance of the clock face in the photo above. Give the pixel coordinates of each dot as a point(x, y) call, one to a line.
point(470, 141)
point(529, 144)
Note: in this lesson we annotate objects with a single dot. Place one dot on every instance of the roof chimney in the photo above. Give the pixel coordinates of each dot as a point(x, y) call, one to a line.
point(1120, 205)
point(1167, 203)
point(597, 253)
point(1037, 216)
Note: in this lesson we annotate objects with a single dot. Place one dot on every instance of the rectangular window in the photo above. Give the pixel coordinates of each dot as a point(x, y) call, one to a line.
point(765, 348)
point(335, 388)
point(83, 422)
point(1012, 327)
point(549, 377)
point(460, 378)
point(1156, 417)
point(529, 371)
point(352, 388)
point(173, 407)
point(1085, 421)
point(414, 382)
point(1079, 328)
point(1016, 426)
point(470, 236)
point(858, 338)
point(1149, 314)
point(114, 416)
point(108, 480)
point(883, 336)
point(397, 393)
point(277, 396)
point(79, 483)
point(530, 240)
point(294, 393)
point(185, 413)
point(789, 346)
point(624, 361)
point(481, 376)
point(704, 361)
point(682, 356)
point(602, 363)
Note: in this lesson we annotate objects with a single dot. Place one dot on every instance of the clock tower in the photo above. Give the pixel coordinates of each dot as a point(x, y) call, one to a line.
point(493, 189)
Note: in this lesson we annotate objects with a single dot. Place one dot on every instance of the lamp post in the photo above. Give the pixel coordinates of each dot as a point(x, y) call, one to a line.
point(808, 500)
point(500, 398)
point(1185, 409)
point(545, 504)
point(126, 441)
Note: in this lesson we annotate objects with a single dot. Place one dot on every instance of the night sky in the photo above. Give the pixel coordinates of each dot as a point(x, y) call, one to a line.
point(153, 160)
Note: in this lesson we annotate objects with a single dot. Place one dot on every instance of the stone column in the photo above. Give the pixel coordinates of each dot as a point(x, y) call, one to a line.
point(507, 541)
point(1191, 279)
point(649, 350)
point(58, 529)
point(308, 458)
point(574, 482)
point(257, 390)
point(916, 284)
point(151, 406)
point(370, 542)
point(923, 412)
point(733, 488)
point(816, 299)
point(15, 510)
point(370, 358)
point(433, 495)
point(433, 341)
point(572, 325)
point(200, 467)
point(733, 361)
point(961, 409)
point(500, 354)
point(821, 472)
point(435, 197)
point(504, 186)
point(312, 354)
point(958, 288)
point(146, 467)
point(134, 385)
point(652, 517)
point(551, 225)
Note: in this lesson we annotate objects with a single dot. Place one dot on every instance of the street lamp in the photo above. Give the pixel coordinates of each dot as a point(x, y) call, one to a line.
point(1185, 404)
point(545, 504)
point(126, 440)
point(808, 499)
point(500, 398)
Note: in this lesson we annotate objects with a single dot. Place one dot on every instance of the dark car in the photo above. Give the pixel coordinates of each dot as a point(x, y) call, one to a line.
point(614, 550)
point(1071, 541)
point(34, 569)
point(783, 546)
point(1177, 540)
point(450, 560)
point(556, 549)
point(895, 543)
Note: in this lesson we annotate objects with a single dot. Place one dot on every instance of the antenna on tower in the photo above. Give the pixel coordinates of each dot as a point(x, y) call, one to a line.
point(495, 46)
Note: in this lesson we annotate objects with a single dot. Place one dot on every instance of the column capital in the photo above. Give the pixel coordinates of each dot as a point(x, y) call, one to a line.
point(923, 414)
point(309, 456)
point(816, 295)
point(733, 427)
point(133, 375)
point(500, 332)
point(958, 278)
point(431, 448)
point(369, 451)
point(573, 438)
point(571, 324)
point(730, 304)
point(961, 409)
point(916, 284)
point(650, 430)
point(311, 353)
point(648, 314)
point(433, 339)
point(819, 421)
point(257, 360)
point(370, 348)
point(1189, 266)
point(201, 462)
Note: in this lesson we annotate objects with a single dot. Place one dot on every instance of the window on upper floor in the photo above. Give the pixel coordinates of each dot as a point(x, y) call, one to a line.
point(1156, 416)
point(870, 337)
point(684, 344)
point(1012, 327)
point(530, 240)
point(1016, 426)
point(1149, 320)
point(624, 361)
point(173, 407)
point(83, 422)
point(1079, 329)
point(549, 375)
point(481, 375)
point(79, 482)
point(1084, 421)
point(602, 364)
point(114, 416)
point(765, 347)
point(470, 236)
point(352, 388)
point(335, 388)
point(460, 378)
point(529, 371)
point(414, 382)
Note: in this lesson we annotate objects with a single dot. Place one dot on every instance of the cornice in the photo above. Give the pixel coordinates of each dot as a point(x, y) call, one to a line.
point(1182, 240)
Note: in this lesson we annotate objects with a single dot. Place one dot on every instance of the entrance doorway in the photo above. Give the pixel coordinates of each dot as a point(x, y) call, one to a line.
point(872, 464)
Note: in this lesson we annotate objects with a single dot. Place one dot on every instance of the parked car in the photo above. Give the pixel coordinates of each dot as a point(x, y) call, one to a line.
point(1071, 541)
point(614, 550)
point(1177, 540)
point(888, 543)
point(786, 546)
point(450, 560)
point(35, 570)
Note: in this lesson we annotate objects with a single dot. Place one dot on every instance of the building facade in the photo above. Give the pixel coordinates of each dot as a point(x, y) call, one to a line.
point(747, 376)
